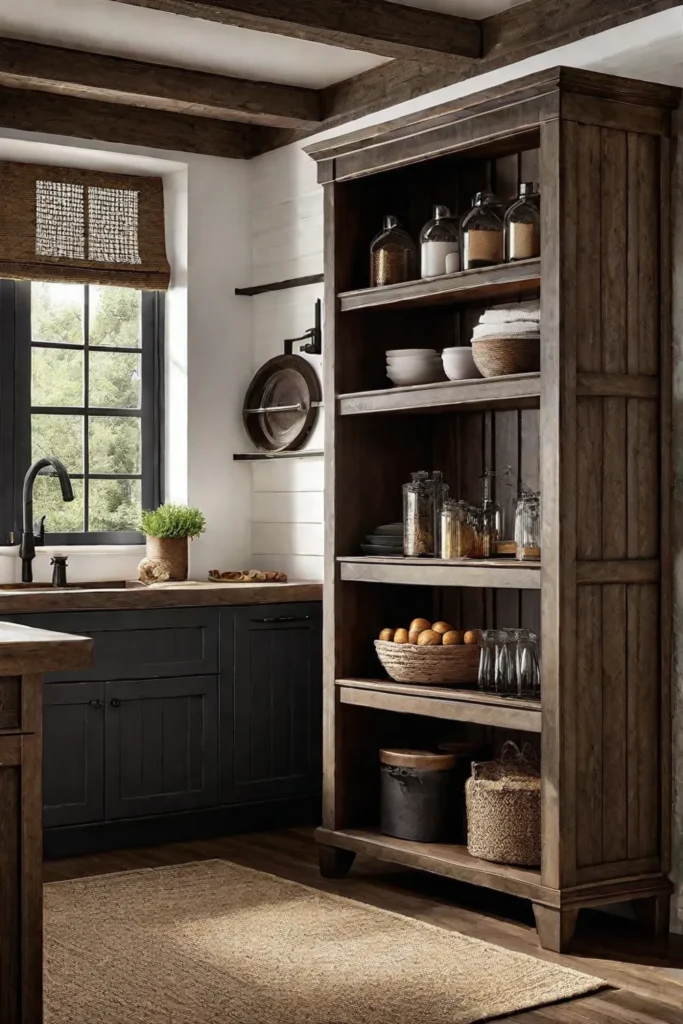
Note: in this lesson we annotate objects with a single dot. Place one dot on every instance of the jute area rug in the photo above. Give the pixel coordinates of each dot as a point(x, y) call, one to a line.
point(216, 943)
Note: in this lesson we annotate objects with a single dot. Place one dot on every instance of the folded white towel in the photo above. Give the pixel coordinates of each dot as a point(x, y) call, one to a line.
point(507, 314)
point(520, 329)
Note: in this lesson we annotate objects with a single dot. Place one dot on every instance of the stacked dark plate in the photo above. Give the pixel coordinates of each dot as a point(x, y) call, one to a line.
point(384, 540)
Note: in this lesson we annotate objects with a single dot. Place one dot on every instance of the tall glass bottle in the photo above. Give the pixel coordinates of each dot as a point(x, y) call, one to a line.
point(439, 238)
point(482, 233)
point(393, 254)
point(523, 226)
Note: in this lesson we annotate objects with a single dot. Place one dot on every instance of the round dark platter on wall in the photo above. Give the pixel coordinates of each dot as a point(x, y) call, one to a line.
point(282, 402)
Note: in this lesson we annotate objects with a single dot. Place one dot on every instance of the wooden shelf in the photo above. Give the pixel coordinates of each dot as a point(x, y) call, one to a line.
point(503, 281)
point(437, 572)
point(305, 453)
point(440, 859)
point(516, 391)
point(458, 705)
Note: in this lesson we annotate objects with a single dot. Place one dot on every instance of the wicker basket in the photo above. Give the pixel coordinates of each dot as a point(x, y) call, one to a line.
point(455, 664)
point(498, 357)
point(504, 808)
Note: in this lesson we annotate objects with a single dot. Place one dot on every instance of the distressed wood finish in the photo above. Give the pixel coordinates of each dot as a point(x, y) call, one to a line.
point(592, 432)
point(39, 68)
point(371, 25)
point(24, 654)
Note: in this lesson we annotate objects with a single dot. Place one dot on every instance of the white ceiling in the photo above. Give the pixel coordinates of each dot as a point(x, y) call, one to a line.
point(103, 26)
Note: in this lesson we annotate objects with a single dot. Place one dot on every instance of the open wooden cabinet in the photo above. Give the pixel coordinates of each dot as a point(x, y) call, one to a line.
point(592, 431)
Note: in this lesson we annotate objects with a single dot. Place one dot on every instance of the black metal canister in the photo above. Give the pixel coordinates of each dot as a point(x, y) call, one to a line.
point(417, 795)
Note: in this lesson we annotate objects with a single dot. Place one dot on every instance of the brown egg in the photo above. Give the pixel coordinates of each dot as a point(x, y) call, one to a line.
point(387, 634)
point(418, 625)
point(472, 636)
point(453, 636)
point(442, 627)
point(429, 638)
point(401, 636)
point(413, 636)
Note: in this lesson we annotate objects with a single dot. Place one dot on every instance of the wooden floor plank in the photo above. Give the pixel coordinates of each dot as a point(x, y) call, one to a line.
point(613, 950)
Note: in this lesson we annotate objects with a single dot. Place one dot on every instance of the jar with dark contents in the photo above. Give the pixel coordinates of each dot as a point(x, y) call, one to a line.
point(393, 255)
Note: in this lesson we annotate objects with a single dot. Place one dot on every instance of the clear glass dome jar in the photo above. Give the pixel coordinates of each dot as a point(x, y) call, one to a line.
point(528, 526)
point(439, 238)
point(523, 226)
point(482, 233)
point(458, 535)
point(393, 254)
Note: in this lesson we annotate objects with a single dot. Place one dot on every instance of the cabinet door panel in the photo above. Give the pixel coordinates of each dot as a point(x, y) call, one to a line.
point(161, 746)
point(73, 754)
point(277, 701)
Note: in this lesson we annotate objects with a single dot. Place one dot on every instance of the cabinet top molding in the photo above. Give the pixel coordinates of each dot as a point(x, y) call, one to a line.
point(27, 651)
point(489, 117)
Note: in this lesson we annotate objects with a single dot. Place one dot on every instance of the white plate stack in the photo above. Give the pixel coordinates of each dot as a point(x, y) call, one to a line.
point(409, 366)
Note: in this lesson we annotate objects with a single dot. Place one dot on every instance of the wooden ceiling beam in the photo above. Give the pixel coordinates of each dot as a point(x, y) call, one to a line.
point(373, 26)
point(111, 122)
point(91, 76)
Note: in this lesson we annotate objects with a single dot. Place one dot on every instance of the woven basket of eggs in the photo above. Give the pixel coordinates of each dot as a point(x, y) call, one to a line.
point(436, 654)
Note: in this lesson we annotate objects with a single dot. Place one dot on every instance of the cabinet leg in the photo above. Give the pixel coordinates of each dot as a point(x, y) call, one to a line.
point(655, 912)
point(335, 862)
point(555, 927)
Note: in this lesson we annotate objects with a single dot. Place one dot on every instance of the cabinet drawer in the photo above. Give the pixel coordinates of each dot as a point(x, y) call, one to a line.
point(138, 644)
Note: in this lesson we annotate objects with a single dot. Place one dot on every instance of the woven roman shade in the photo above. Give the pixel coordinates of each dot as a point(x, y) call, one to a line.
point(83, 227)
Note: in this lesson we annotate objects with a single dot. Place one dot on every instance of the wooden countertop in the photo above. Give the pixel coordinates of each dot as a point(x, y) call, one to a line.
point(132, 595)
point(28, 651)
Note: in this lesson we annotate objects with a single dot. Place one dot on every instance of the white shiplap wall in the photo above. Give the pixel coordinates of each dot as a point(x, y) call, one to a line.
point(287, 226)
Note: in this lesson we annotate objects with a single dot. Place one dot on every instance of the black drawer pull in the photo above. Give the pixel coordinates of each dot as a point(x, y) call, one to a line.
point(96, 704)
point(286, 618)
point(115, 702)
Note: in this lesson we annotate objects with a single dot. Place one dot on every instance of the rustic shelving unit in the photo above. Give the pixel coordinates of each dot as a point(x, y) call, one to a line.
point(592, 430)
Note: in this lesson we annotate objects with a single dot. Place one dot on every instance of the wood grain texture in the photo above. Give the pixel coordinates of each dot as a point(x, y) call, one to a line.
point(370, 25)
point(438, 572)
point(25, 650)
point(111, 122)
point(36, 67)
point(515, 391)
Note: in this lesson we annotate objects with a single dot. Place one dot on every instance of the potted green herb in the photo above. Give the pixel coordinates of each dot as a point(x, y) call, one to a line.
point(167, 530)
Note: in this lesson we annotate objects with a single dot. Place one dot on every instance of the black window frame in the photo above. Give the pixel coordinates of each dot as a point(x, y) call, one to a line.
point(16, 346)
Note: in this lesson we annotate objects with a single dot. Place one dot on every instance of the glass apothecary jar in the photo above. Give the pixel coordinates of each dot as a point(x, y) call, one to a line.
point(418, 517)
point(439, 239)
point(458, 533)
point(523, 226)
point(482, 233)
point(393, 254)
point(528, 526)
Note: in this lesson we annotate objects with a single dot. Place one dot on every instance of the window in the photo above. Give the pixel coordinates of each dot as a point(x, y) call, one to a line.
point(87, 389)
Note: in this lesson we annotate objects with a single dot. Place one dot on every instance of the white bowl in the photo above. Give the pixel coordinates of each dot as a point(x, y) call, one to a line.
point(411, 352)
point(429, 376)
point(458, 364)
point(413, 360)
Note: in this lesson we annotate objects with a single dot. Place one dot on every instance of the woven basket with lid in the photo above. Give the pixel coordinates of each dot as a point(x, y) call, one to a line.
point(504, 808)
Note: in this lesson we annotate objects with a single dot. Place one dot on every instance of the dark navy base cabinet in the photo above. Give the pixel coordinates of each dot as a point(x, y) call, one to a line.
point(190, 722)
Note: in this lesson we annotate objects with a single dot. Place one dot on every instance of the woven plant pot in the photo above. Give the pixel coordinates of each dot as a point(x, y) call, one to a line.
point(452, 665)
point(504, 808)
point(498, 357)
point(172, 550)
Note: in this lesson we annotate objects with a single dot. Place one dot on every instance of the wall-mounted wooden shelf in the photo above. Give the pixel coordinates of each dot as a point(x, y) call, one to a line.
point(445, 859)
point(306, 453)
point(517, 391)
point(438, 572)
point(457, 705)
point(278, 286)
point(502, 282)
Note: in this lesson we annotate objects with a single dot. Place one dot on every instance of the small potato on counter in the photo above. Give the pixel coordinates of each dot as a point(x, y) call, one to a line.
point(419, 625)
point(442, 627)
point(401, 636)
point(452, 637)
point(429, 638)
point(387, 634)
point(472, 636)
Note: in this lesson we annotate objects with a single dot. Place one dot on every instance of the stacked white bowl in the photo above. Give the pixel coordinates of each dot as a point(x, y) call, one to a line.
point(458, 363)
point(408, 366)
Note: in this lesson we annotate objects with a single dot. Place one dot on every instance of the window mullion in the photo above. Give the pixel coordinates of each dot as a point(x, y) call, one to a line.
point(86, 403)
